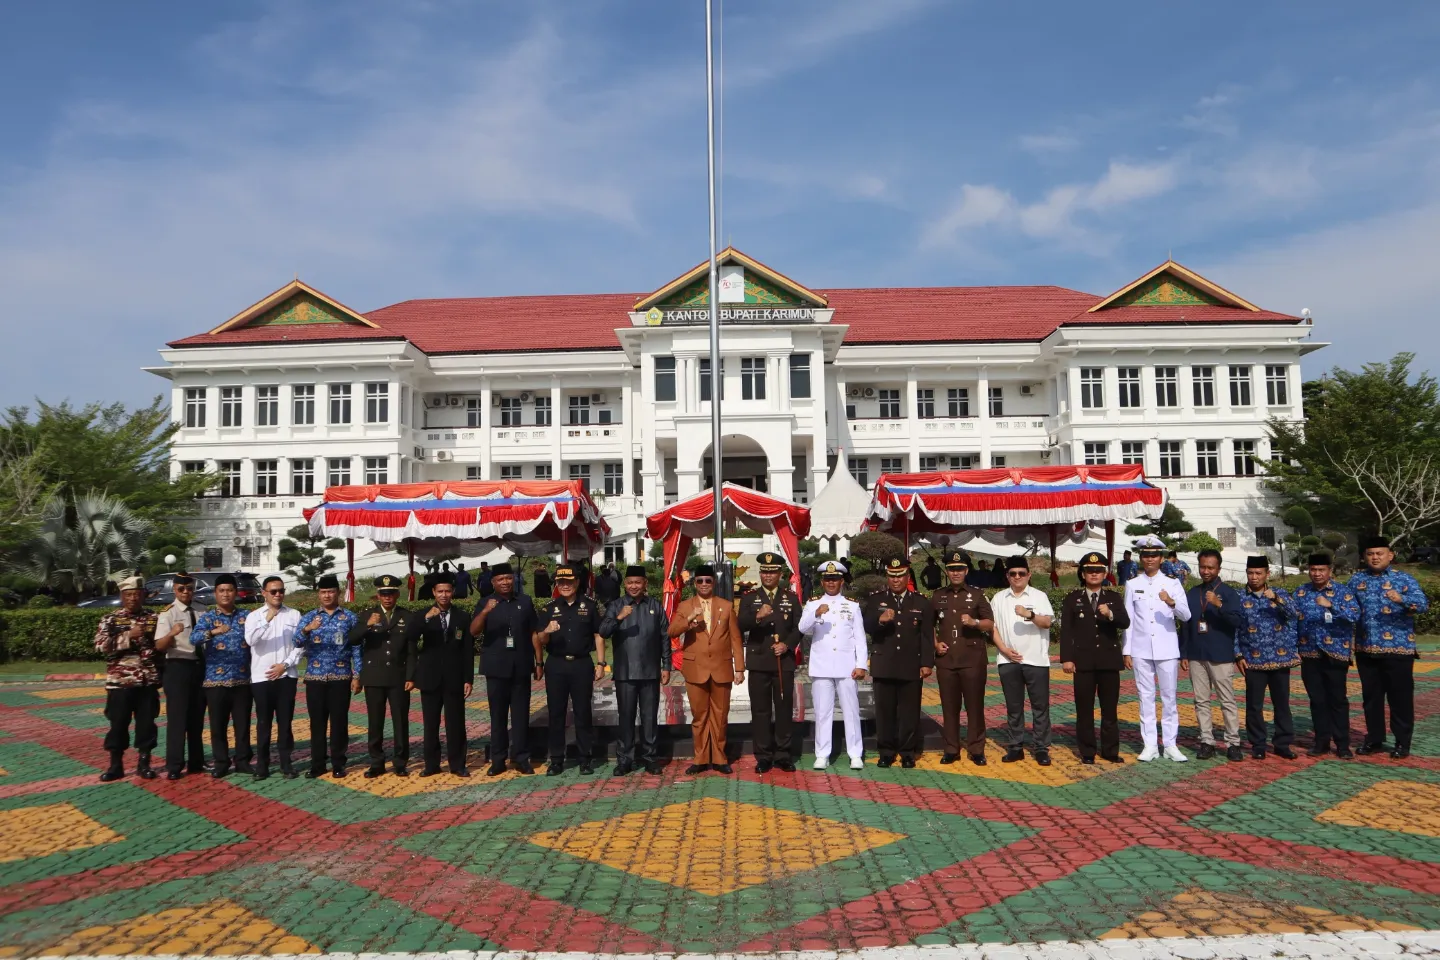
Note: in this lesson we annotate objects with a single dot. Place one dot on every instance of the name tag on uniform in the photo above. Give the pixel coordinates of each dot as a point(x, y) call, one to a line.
point(1202, 627)
point(1328, 617)
point(509, 641)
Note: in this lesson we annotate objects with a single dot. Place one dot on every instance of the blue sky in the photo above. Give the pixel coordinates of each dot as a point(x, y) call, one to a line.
point(166, 164)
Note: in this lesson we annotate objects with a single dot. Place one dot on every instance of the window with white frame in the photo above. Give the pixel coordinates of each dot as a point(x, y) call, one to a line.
point(509, 411)
point(1277, 386)
point(1171, 462)
point(230, 411)
point(603, 415)
point(302, 405)
point(860, 470)
point(581, 472)
point(542, 471)
point(1226, 536)
point(579, 409)
point(267, 406)
point(614, 478)
point(337, 472)
point(1092, 388)
point(1207, 458)
point(510, 471)
point(267, 478)
point(1265, 536)
point(964, 461)
point(1132, 452)
point(997, 401)
point(474, 412)
point(542, 411)
point(472, 472)
point(192, 466)
point(1240, 395)
point(229, 471)
point(1097, 453)
point(892, 464)
point(249, 555)
point(849, 411)
point(1202, 386)
point(377, 403)
point(1244, 458)
point(958, 401)
point(925, 404)
point(705, 378)
point(195, 407)
point(800, 376)
point(664, 379)
point(377, 470)
point(339, 403)
point(752, 378)
point(1167, 386)
point(1128, 383)
point(889, 404)
point(929, 464)
point(997, 461)
point(302, 477)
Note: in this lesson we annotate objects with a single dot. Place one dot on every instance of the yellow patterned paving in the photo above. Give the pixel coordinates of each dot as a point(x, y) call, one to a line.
point(1065, 768)
point(219, 928)
point(1399, 805)
point(69, 693)
point(714, 846)
point(1427, 666)
point(1200, 913)
point(1130, 713)
point(388, 785)
point(54, 828)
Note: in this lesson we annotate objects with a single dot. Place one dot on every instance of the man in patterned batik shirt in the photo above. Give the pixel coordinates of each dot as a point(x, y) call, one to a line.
point(1267, 648)
point(126, 638)
point(1326, 613)
point(332, 675)
point(1385, 650)
point(220, 632)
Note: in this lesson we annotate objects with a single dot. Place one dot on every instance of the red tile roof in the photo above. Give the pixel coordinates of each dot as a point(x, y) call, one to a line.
point(507, 324)
point(288, 333)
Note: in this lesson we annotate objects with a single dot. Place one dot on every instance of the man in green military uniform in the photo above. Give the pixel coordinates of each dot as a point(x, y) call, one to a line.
point(963, 621)
point(901, 624)
point(770, 624)
point(387, 638)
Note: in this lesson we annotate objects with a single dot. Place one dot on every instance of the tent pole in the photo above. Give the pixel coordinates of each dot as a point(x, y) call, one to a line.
point(717, 373)
point(349, 570)
point(410, 549)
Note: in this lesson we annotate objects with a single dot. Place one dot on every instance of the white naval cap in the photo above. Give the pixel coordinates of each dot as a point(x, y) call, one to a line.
point(831, 568)
point(1150, 542)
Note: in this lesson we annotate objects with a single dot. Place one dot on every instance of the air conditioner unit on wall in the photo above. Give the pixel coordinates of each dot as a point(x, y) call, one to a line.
point(526, 397)
point(241, 526)
point(597, 398)
point(452, 400)
point(238, 542)
point(854, 393)
point(444, 456)
point(495, 400)
point(869, 393)
point(1045, 456)
point(436, 401)
point(1026, 389)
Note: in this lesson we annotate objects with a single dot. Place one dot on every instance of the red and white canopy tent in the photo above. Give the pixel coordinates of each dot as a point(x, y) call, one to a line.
point(1003, 506)
point(677, 526)
point(526, 517)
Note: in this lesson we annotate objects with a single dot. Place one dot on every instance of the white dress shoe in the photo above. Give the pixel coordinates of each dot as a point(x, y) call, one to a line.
point(821, 763)
point(1148, 754)
point(1173, 753)
point(856, 763)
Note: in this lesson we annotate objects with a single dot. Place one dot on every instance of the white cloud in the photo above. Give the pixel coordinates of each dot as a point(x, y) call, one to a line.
point(1048, 143)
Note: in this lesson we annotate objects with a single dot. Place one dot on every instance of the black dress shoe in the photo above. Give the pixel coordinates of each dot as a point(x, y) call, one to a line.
point(338, 773)
point(1318, 750)
point(374, 772)
point(429, 773)
point(173, 774)
point(401, 772)
point(244, 768)
point(885, 762)
point(220, 773)
point(555, 768)
point(948, 758)
point(586, 767)
point(763, 766)
point(1285, 753)
point(695, 768)
point(1365, 749)
point(1344, 753)
point(460, 772)
point(1013, 754)
point(655, 768)
point(112, 774)
point(1089, 761)
point(1399, 753)
point(312, 773)
point(1112, 758)
point(785, 764)
point(289, 774)
point(978, 759)
point(1234, 753)
point(722, 768)
point(523, 766)
point(496, 768)
point(1257, 754)
point(622, 769)
point(1206, 751)
point(261, 773)
point(1042, 757)
point(908, 763)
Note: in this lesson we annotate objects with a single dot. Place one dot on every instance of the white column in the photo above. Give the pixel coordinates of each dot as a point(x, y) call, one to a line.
point(819, 428)
point(487, 428)
point(777, 390)
point(982, 414)
point(1076, 410)
point(557, 421)
point(912, 419)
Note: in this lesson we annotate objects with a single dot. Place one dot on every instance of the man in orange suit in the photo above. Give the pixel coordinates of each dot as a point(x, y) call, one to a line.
point(713, 657)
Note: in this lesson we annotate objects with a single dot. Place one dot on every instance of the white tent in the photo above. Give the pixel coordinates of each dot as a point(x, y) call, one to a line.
point(840, 508)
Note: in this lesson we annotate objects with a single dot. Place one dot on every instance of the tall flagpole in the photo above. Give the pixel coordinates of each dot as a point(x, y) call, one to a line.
point(717, 374)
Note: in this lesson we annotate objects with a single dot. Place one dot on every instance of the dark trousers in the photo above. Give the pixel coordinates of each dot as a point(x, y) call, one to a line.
point(1107, 684)
point(184, 715)
point(509, 712)
point(397, 698)
point(229, 706)
point(642, 697)
point(124, 703)
point(1277, 682)
point(897, 717)
point(328, 703)
point(772, 713)
point(1387, 677)
point(963, 688)
point(274, 703)
point(570, 683)
point(450, 701)
point(1018, 680)
point(1324, 679)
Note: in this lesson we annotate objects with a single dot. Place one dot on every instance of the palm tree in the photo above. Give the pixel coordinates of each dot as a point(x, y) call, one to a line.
point(83, 543)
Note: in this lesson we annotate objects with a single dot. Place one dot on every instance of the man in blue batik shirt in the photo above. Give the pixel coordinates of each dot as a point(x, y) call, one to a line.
point(332, 675)
point(1326, 613)
point(1385, 650)
point(1268, 648)
point(220, 632)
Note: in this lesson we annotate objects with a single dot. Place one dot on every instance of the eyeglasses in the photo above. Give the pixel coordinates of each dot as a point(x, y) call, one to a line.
point(704, 580)
point(1017, 573)
point(276, 593)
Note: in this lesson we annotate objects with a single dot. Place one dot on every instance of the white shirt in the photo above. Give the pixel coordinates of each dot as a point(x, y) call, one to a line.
point(272, 642)
point(177, 612)
point(1019, 634)
point(1153, 632)
point(837, 644)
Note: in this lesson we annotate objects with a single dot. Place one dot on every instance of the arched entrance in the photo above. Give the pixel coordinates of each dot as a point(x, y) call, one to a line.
point(744, 464)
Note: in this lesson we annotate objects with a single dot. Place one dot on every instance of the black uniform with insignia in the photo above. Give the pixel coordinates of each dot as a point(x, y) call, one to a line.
point(1094, 643)
point(962, 660)
point(507, 660)
point(771, 677)
point(570, 671)
point(387, 663)
point(899, 648)
point(444, 670)
point(640, 651)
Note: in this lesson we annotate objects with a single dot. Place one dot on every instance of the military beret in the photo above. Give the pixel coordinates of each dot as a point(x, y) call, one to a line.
point(957, 559)
point(1017, 562)
point(328, 582)
point(1094, 560)
point(770, 562)
point(565, 573)
point(636, 570)
point(225, 580)
point(705, 570)
point(1319, 560)
point(896, 567)
point(1374, 541)
point(132, 583)
point(445, 576)
point(387, 583)
point(831, 568)
point(1257, 563)
point(502, 570)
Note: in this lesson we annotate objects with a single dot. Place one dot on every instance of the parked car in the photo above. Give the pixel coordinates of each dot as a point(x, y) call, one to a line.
point(160, 590)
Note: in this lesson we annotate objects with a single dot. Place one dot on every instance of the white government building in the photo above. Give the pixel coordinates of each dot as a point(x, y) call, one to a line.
point(298, 392)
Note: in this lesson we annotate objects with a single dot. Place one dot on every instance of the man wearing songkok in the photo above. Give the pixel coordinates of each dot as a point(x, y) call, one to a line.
point(220, 633)
point(638, 631)
point(1156, 605)
point(1326, 613)
point(1207, 645)
point(1385, 651)
point(712, 658)
point(1268, 646)
point(183, 680)
point(1092, 629)
point(834, 627)
point(507, 628)
point(126, 639)
point(445, 675)
point(332, 676)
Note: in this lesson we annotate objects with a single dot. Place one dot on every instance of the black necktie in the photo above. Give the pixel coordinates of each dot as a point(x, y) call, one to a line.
point(1095, 603)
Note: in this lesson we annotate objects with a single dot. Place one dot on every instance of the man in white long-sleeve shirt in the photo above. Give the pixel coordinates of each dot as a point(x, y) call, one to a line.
point(270, 634)
point(1156, 604)
point(835, 629)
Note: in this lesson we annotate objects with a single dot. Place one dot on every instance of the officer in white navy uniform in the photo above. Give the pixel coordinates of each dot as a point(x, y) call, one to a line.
point(838, 657)
point(1156, 605)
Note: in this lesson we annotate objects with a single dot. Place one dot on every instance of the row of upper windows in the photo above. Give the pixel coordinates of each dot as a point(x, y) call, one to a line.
point(376, 470)
point(753, 378)
point(1170, 456)
point(956, 403)
point(1202, 386)
point(302, 405)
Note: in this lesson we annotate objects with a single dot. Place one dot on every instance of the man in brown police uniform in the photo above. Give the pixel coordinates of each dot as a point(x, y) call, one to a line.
point(770, 624)
point(387, 638)
point(1092, 637)
point(901, 625)
point(963, 622)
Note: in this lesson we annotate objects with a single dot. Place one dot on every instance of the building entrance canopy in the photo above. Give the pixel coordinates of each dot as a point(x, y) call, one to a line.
point(680, 525)
point(1005, 506)
point(529, 518)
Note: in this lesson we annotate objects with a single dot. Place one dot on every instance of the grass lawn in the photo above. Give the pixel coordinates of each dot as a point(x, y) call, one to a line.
point(43, 667)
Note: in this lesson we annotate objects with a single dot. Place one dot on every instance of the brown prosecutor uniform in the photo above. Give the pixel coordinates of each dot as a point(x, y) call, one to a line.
point(898, 649)
point(1094, 643)
point(961, 664)
point(711, 654)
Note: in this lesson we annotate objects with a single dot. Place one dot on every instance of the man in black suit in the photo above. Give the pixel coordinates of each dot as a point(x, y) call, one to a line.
point(901, 624)
point(770, 624)
point(386, 636)
point(505, 624)
point(445, 674)
point(1092, 637)
point(637, 629)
